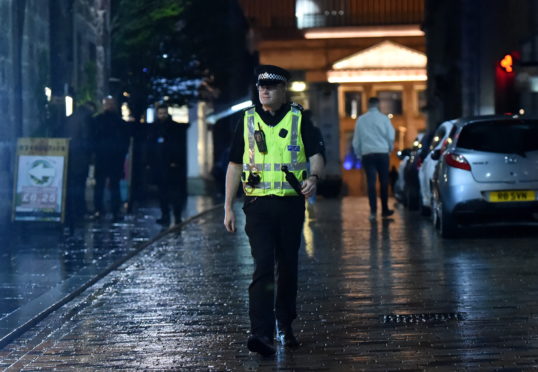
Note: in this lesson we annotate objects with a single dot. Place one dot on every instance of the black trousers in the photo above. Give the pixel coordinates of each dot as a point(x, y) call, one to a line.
point(76, 190)
point(114, 173)
point(274, 226)
point(377, 164)
point(172, 186)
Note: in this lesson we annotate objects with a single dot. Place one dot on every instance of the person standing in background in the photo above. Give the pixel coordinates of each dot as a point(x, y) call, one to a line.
point(110, 145)
point(168, 160)
point(373, 141)
point(78, 130)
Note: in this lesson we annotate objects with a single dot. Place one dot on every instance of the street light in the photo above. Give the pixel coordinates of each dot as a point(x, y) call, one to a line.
point(68, 106)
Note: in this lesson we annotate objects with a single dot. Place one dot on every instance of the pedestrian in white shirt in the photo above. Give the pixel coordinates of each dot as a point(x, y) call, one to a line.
point(373, 141)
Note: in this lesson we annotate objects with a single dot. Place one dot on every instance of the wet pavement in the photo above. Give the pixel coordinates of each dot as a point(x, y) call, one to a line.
point(381, 296)
point(44, 265)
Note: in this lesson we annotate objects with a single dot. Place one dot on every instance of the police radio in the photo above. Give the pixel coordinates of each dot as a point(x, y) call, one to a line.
point(259, 137)
point(253, 179)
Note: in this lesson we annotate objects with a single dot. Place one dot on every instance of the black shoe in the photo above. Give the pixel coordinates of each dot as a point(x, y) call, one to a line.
point(163, 221)
point(116, 217)
point(286, 337)
point(387, 213)
point(97, 215)
point(261, 345)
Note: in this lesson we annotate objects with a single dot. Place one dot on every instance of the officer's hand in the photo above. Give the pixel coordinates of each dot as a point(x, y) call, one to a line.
point(309, 187)
point(229, 219)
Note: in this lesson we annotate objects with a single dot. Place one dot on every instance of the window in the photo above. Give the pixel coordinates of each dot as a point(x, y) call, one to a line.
point(353, 104)
point(421, 100)
point(508, 137)
point(390, 102)
point(437, 137)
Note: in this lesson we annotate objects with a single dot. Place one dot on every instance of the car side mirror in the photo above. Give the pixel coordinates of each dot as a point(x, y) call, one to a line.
point(436, 154)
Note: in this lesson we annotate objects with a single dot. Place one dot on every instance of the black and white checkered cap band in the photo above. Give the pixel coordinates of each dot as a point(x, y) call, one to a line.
point(270, 76)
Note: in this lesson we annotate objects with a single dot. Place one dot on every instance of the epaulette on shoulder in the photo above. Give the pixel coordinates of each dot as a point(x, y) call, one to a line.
point(248, 108)
point(297, 106)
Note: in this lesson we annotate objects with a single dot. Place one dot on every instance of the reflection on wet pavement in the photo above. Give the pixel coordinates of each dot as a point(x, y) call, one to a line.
point(38, 257)
point(182, 303)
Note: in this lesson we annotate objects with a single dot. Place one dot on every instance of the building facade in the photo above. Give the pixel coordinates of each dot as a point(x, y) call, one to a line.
point(482, 58)
point(45, 48)
point(341, 53)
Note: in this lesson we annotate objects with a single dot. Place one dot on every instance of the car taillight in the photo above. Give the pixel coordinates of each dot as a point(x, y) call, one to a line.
point(419, 162)
point(457, 161)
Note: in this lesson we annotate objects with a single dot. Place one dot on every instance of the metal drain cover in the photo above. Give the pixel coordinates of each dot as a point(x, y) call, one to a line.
point(421, 318)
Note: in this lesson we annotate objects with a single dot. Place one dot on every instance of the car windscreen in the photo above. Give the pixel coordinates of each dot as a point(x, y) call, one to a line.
point(503, 136)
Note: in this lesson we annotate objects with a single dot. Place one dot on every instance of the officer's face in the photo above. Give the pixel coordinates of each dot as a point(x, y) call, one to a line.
point(272, 96)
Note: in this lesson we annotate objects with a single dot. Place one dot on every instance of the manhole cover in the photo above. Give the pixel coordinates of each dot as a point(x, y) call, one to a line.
point(421, 318)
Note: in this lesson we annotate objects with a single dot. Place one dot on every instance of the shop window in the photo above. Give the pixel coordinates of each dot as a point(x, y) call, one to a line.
point(350, 159)
point(421, 100)
point(353, 104)
point(390, 102)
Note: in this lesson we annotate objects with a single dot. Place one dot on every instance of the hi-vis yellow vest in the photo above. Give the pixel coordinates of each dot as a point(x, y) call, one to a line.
point(280, 151)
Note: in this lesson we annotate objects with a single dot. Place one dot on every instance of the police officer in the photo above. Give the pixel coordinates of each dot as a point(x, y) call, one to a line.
point(270, 135)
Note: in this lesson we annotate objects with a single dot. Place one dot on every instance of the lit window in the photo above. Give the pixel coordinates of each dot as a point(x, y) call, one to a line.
point(390, 102)
point(352, 103)
point(421, 100)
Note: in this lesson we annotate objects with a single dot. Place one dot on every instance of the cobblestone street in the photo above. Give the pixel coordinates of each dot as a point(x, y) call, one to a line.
point(387, 295)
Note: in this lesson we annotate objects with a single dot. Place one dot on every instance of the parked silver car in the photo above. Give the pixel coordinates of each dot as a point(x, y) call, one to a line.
point(438, 145)
point(488, 174)
point(404, 192)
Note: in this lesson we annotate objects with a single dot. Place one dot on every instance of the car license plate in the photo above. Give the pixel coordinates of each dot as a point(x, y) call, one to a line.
point(511, 196)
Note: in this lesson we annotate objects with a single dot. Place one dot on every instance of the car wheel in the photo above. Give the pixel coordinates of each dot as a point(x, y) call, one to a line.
point(411, 199)
point(447, 224)
point(435, 213)
point(400, 197)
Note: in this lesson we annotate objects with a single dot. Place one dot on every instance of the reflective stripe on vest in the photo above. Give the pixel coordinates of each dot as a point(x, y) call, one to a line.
point(251, 129)
point(291, 167)
point(294, 132)
point(257, 167)
point(288, 151)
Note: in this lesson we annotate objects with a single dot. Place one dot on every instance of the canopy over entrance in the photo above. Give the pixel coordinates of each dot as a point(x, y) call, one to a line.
point(383, 62)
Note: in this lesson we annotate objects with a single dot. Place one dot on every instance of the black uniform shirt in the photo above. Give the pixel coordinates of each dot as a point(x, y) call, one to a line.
point(312, 140)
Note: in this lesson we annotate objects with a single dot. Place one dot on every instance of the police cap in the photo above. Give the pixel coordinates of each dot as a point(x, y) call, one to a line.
point(270, 75)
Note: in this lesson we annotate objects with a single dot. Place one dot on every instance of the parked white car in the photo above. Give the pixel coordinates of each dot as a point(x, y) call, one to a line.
point(439, 143)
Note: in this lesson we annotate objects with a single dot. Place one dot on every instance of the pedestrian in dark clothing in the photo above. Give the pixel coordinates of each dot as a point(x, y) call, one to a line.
point(269, 136)
point(78, 130)
point(168, 159)
point(138, 180)
point(110, 144)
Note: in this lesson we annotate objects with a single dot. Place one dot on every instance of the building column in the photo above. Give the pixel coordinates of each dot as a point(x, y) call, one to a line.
point(199, 150)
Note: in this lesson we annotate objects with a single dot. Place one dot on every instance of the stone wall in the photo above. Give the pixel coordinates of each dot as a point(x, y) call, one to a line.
point(38, 50)
point(35, 65)
point(9, 106)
